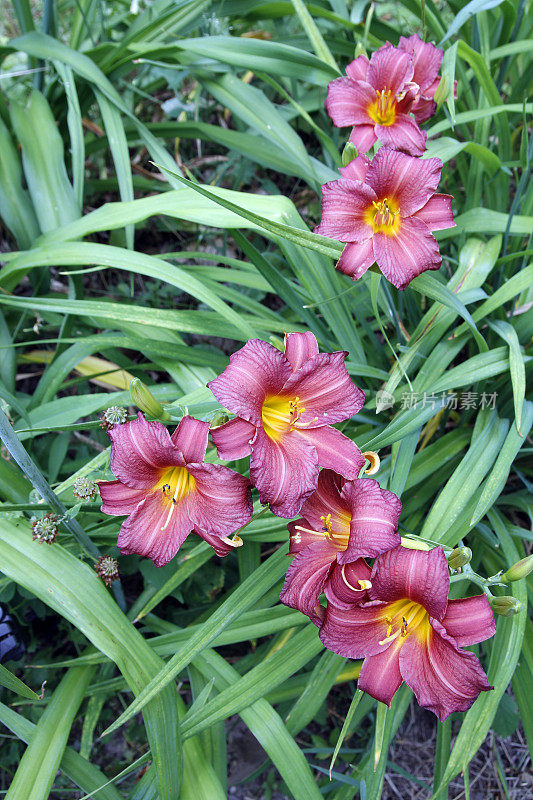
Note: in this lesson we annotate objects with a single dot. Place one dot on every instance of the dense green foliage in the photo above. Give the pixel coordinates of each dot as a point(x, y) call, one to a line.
point(160, 171)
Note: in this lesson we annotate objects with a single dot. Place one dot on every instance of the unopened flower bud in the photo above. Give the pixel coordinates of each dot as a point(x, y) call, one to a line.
point(144, 399)
point(113, 416)
point(85, 489)
point(506, 606)
point(349, 153)
point(107, 568)
point(519, 570)
point(412, 543)
point(442, 91)
point(45, 529)
point(219, 418)
point(459, 557)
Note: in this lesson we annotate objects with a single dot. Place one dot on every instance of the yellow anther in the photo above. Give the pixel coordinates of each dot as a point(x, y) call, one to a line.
point(327, 524)
point(364, 585)
point(389, 629)
point(374, 461)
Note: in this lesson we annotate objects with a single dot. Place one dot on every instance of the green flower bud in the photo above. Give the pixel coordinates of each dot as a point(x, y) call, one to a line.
point(459, 557)
point(146, 402)
point(113, 416)
point(442, 92)
point(519, 570)
point(85, 489)
point(219, 418)
point(412, 543)
point(348, 154)
point(506, 606)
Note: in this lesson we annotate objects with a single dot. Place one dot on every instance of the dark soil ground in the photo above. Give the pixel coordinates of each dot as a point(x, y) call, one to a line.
point(501, 770)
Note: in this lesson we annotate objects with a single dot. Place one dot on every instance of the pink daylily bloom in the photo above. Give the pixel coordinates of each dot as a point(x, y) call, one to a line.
point(378, 96)
point(426, 64)
point(286, 404)
point(385, 211)
point(409, 631)
point(167, 490)
point(342, 522)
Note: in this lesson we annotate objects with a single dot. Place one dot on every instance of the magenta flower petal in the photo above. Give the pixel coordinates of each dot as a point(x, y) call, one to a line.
point(423, 109)
point(232, 440)
point(355, 632)
point(419, 575)
point(380, 675)
point(356, 258)
point(347, 101)
point(404, 135)
point(410, 181)
point(364, 137)
point(119, 499)
point(437, 213)
point(221, 546)
point(221, 502)
point(356, 169)
point(253, 372)
point(389, 68)
point(326, 499)
point(140, 450)
point(443, 678)
point(285, 472)
point(374, 522)
point(342, 586)
point(302, 535)
point(470, 620)
point(299, 348)
point(149, 532)
point(426, 60)
point(190, 437)
point(335, 451)
point(404, 256)
point(325, 390)
point(306, 576)
point(344, 203)
point(357, 69)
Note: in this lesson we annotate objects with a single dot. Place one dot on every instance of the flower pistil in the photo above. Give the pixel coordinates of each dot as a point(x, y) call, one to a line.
point(383, 109)
point(384, 216)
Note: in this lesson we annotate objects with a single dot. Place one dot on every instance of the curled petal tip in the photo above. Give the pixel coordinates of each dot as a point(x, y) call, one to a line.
point(374, 461)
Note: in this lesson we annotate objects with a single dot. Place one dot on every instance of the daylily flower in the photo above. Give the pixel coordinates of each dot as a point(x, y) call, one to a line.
point(409, 631)
point(385, 211)
point(168, 492)
point(426, 64)
point(285, 406)
point(377, 97)
point(342, 521)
